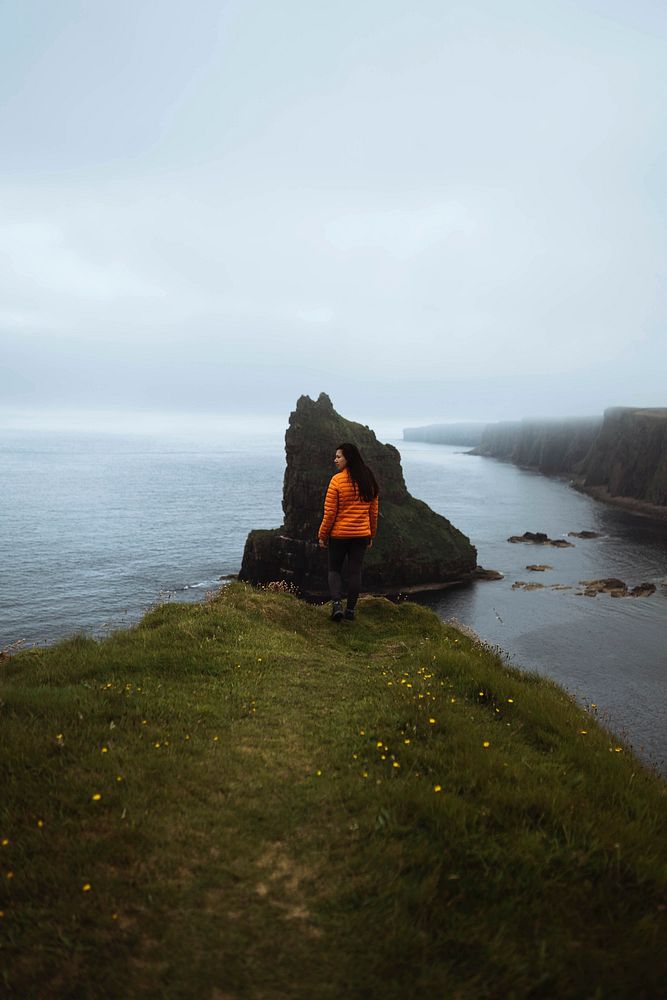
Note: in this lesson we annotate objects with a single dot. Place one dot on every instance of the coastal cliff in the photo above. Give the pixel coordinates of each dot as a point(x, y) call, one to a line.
point(620, 458)
point(415, 548)
point(551, 446)
point(629, 456)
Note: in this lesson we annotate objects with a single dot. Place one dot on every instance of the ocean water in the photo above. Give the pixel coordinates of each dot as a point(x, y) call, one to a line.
point(96, 528)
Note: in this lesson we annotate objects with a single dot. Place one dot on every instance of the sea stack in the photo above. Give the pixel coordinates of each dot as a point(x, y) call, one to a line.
point(415, 549)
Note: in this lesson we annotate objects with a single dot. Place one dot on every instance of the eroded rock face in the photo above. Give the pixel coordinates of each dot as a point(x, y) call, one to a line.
point(552, 446)
point(629, 456)
point(415, 548)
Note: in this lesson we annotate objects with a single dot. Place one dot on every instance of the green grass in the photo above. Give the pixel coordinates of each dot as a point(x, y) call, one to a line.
point(255, 837)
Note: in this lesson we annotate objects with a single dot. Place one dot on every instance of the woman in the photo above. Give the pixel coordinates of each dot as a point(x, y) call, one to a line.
point(349, 525)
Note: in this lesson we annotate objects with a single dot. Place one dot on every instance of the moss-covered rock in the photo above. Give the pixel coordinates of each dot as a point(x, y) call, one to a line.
point(415, 548)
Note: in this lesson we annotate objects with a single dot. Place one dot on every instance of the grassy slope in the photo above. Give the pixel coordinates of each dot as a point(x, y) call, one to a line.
point(254, 837)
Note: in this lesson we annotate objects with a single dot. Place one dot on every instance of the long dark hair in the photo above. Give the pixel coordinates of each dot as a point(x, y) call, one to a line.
point(365, 484)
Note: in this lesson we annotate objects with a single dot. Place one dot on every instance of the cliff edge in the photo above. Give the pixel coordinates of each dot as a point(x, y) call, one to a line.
point(415, 549)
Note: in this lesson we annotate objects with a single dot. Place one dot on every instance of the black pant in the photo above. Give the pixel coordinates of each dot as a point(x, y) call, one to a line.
point(354, 549)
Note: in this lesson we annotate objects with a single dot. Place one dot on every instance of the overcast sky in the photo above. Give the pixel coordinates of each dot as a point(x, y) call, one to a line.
point(428, 209)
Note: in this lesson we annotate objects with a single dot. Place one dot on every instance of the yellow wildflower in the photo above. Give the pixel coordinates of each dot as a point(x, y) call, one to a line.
point(5, 841)
point(96, 797)
point(437, 788)
point(486, 743)
point(395, 764)
point(40, 823)
point(86, 887)
point(618, 749)
point(105, 749)
point(432, 721)
point(583, 731)
point(406, 742)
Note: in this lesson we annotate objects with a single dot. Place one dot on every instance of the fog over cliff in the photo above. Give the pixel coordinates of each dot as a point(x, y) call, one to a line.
point(430, 211)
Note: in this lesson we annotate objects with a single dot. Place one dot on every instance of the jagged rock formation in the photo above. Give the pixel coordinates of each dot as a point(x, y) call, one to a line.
point(551, 446)
point(629, 455)
point(415, 548)
point(460, 433)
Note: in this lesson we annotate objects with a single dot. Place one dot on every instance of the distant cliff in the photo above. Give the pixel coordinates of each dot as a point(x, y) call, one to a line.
point(415, 547)
point(629, 456)
point(462, 433)
point(620, 458)
point(551, 446)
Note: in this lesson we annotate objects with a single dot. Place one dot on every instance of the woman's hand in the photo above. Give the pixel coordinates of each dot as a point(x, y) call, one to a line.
point(322, 543)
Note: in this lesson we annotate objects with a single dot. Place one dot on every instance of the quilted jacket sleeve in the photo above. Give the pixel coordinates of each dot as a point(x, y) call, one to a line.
point(330, 511)
point(373, 516)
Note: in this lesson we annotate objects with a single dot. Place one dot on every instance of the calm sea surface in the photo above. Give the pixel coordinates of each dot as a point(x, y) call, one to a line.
point(95, 528)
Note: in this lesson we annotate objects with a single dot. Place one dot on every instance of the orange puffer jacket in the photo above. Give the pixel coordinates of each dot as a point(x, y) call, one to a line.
point(346, 515)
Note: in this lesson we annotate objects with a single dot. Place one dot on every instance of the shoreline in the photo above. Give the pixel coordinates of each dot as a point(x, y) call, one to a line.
point(600, 493)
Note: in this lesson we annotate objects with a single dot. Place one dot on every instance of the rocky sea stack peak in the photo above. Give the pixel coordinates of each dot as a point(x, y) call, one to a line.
point(415, 549)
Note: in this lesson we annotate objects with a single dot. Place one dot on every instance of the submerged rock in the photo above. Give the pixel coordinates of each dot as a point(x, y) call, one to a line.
point(584, 534)
point(415, 549)
point(538, 567)
point(479, 573)
point(616, 588)
point(539, 538)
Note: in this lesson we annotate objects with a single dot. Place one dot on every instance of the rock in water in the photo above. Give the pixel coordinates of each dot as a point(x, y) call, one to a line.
point(415, 548)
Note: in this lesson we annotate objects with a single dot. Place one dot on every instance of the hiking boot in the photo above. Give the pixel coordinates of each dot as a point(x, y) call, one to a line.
point(336, 611)
point(349, 615)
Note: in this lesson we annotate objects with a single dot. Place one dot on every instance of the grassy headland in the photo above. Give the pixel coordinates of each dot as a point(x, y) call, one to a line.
point(238, 799)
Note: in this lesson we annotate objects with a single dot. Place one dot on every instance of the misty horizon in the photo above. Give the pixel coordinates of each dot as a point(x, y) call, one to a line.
point(447, 212)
